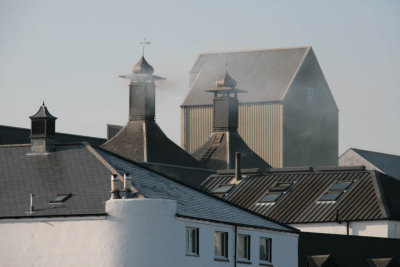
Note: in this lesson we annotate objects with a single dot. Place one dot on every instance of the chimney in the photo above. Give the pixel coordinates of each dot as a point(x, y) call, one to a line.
point(225, 104)
point(142, 91)
point(238, 174)
point(43, 129)
point(114, 187)
point(31, 206)
point(127, 184)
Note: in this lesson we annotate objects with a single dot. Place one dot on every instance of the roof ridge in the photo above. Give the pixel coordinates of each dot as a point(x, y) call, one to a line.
point(375, 152)
point(256, 50)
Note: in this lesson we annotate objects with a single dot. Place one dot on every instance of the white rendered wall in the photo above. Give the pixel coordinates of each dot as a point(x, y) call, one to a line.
point(389, 229)
point(137, 232)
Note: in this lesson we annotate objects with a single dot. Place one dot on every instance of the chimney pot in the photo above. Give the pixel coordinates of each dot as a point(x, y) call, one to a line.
point(114, 187)
point(127, 184)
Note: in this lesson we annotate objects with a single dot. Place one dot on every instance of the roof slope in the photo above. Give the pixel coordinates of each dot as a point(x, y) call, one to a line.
point(15, 135)
point(387, 163)
point(265, 74)
point(214, 154)
point(190, 202)
point(145, 142)
point(372, 196)
point(85, 172)
point(71, 169)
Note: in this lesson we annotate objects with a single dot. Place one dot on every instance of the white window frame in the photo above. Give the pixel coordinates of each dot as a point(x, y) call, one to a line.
point(268, 245)
point(247, 248)
point(192, 246)
point(224, 245)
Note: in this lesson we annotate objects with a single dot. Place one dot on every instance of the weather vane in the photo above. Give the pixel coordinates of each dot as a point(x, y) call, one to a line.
point(144, 43)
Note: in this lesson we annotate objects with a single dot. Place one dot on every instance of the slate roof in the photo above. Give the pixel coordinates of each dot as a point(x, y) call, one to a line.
point(265, 74)
point(387, 163)
point(214, 154)
point(15, 135)
point(71, 169)
point(145, 141)
point(85, 172)
point(372, 196)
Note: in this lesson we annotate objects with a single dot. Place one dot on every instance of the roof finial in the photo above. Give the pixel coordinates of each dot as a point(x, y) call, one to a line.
point(144, 43)
point(43, 103)
point(226, 66)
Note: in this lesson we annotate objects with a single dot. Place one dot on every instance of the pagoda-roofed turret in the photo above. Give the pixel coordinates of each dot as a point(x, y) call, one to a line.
point(43, 113)
point(141, 71)
point(218, 152)
point(225, 86)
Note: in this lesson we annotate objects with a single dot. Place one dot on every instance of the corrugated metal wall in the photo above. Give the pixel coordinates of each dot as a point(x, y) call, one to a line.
point(260, 125)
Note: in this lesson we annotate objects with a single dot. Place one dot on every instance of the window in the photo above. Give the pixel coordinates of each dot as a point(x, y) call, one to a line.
point(60, 198)
point(336, 190)
point(243, 245)
point(192, 241)
point(221, 245)
point(310, 93)
point(275, 192)
point(265, 249)
point(222, 189)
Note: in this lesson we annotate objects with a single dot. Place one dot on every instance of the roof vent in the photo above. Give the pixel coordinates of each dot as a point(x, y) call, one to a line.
point(43, 126)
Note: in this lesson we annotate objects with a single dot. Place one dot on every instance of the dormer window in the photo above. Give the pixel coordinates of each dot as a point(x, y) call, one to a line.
point(275, 192)
point(336, 191)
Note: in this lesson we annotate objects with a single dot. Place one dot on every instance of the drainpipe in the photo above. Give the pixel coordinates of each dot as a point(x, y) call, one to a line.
point(31, 207)
point(235, 255)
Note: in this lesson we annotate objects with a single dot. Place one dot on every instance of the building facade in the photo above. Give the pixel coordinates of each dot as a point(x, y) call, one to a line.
point(288, 117)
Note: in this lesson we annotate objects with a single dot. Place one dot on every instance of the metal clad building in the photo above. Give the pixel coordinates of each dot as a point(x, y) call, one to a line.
point(289, 116)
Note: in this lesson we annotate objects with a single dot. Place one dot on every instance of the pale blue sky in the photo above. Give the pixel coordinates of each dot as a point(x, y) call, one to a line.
point(70, 53)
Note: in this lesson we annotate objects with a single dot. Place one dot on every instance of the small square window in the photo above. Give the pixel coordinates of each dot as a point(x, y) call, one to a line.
point(221, 245)
point(60, 198)
point(192, 241)
point(243, 243)
point(280, 187)
point(265, 249)
point(310, 93)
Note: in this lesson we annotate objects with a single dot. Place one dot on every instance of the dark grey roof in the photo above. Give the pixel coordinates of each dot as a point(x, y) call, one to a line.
point(15, 135)
point(265, 74)
point(214, 154)
point(70, 169)
point(85, 172)
point(191, 202)
point(372, 196)
point(387, 163)
point(42, 113)
point(145, 141)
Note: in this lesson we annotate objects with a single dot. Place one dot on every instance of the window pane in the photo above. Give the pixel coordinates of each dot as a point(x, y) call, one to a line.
point(280, 187)
point(340, 186)
point(330, 196)
point(270, 197)
point(265, 249)
point(222, 188)
point(218, 244)
point(243, 247)
point(192, 241)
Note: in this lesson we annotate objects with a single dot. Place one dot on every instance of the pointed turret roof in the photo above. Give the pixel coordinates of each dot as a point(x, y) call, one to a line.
point(142, 70)
point(43, 113)
point(226, 84)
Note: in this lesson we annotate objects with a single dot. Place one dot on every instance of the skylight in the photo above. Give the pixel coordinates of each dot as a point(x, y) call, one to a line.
point(60, 198)
point(336, 190)
point(222, 189)
point(275, 192)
